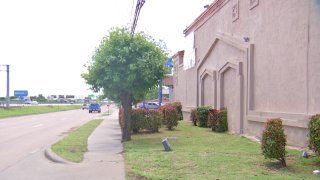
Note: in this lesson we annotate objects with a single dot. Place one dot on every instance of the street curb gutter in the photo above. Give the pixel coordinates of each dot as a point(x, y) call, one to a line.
point(50, 155)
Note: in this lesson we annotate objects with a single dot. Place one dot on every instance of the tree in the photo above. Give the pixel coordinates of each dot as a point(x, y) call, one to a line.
point(152, 93)
point(41, 98)
point(125, 67)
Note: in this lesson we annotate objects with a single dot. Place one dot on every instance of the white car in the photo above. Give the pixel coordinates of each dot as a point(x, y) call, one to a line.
point(85, 106)
point(32, 102)
point(149, 105)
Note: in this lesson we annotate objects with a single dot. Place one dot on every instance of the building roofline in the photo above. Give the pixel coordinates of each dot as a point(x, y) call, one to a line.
point(179, 53)
point(216, 5)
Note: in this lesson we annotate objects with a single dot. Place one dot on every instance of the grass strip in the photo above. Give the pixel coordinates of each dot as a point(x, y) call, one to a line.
point(199, 153)
point(74, 145)
point(29, 110)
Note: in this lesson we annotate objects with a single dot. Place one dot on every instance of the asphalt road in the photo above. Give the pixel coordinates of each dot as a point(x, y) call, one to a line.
point(23, 140)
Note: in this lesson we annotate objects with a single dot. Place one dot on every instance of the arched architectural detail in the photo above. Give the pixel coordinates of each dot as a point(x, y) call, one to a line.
point(238, 93)
point(247, 63)
point(212, 76)
point(243, 80)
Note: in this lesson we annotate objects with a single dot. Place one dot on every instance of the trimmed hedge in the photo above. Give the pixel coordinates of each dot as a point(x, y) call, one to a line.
point(169, 116)
point(273, 144)
point(146, 119)
point(137, 119)
point(202, 113)
point(222, 123)
point(218, 120)
point(213, 116)
point(152, 120)
point(178, 107)
point(194, 116)
point(314, 133)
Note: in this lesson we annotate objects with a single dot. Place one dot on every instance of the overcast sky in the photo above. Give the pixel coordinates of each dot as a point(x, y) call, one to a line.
point(47, 42)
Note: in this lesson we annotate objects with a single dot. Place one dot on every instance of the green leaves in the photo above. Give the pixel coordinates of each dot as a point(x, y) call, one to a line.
point(314, 133)
point(274, 141)
point(126, 63)
point(203, 112)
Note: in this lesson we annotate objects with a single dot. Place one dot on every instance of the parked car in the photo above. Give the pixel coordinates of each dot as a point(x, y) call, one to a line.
point(85, 106)
point(149, 105)
point(94, 107)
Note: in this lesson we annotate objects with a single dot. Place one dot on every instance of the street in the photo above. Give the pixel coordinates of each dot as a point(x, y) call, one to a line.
point(24, 139)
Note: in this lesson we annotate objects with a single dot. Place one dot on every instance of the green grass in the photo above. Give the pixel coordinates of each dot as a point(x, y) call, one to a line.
point(74, 145)
point(199, 153)
point(28, 110)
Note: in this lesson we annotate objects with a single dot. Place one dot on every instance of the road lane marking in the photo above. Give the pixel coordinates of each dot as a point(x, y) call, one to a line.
point(37, 125)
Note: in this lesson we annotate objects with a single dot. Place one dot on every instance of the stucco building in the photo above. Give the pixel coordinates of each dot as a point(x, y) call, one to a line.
point(258, 58)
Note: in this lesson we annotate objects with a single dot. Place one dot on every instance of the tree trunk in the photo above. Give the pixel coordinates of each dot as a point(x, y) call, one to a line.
point(283, 162)
point(127, 107)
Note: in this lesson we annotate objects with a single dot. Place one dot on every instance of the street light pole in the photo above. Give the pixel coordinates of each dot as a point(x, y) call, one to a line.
point(8, 85)
point(8, 90)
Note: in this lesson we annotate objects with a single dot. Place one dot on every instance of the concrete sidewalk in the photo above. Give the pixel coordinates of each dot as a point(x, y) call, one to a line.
point(104, 158)
point(105, 148)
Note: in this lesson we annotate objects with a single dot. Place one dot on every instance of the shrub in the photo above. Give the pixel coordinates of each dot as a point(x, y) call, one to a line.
point(169, 116)
point(222, 121)
point(314, 133)
point(137, 119)
point(178, 108)
point(203, 112)
point(218, 120)
point(212, 118)
point(194, 116)
point(273, 143)
point(152, 120)
point(145, 119)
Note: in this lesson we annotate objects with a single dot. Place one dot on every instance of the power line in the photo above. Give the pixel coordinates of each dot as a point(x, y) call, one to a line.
point(139, 5)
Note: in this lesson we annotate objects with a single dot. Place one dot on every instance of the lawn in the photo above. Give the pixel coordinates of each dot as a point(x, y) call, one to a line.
point(199, 153)
point(74, 145)
point(28, 110)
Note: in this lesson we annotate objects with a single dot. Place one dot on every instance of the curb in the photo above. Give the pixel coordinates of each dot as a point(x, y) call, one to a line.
point(50, 155)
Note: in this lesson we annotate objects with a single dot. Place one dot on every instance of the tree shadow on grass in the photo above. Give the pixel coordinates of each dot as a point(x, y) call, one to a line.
point(277, 166)
point(274, 165)
point(142, 132)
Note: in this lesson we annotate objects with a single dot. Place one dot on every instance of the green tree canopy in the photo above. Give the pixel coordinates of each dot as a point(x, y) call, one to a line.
point(125, 67)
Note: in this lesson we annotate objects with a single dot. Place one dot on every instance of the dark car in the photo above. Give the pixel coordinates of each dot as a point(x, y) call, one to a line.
point(94, 107)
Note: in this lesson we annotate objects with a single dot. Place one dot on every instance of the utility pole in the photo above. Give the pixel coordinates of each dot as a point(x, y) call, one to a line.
point(160, 93)
point(8, 90)
point(8, 85)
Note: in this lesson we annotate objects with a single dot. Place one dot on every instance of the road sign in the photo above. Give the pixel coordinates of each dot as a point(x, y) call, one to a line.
point(18, 93)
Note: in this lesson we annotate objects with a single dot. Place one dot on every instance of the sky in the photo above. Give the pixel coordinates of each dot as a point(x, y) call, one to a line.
point(47, 42)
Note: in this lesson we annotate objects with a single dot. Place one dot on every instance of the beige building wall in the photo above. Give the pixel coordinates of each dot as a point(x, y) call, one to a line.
point(314, 58)
point(261, 60)
point(184, 84)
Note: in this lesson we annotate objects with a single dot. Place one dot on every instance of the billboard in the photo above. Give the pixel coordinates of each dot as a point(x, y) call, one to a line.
point(19, 93)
